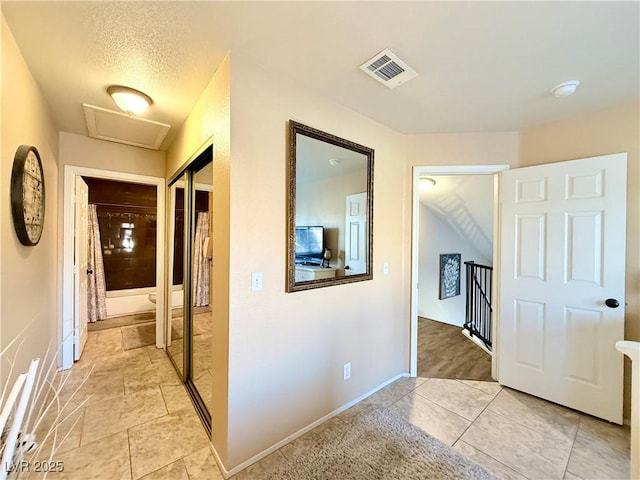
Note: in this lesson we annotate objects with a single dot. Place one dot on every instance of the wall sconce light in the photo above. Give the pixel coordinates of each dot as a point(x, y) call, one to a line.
point(129, 100)
point(427, 183)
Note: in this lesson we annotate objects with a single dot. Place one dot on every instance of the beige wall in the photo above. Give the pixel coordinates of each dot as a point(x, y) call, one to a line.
point(82, 151)
point(499, 148)
point(211, 117)
point(612, 130)
point(28, 275)
point(287, 350)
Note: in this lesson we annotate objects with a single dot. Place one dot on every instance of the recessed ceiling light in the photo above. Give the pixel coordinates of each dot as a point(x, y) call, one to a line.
point(427, 183)
point(565, 89)
point(129, 100)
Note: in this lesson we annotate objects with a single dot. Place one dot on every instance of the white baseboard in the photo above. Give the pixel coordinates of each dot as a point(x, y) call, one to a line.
point(228, 473)
point(477, 341)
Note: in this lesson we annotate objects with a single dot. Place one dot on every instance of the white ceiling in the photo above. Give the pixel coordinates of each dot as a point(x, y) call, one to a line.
point(483, 66)
point(312, 160)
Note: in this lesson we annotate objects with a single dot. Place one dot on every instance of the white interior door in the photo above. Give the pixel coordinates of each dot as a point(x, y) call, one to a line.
point(81, 261)
point(355, 241)
point(563, 256)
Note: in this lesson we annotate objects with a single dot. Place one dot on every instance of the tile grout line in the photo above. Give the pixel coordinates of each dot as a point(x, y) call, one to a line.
point(166, 406)
point(185, 465)
point(462, 380)
point(522, 425)
point(451, 411)
point(491, 457)
point(130, 459)
point(566, 467)
point(469, 426)
point(477, 416)
point(596, 438)
point(479, 449)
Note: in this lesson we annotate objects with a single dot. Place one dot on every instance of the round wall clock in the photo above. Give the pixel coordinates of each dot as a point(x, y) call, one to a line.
point(27, 195)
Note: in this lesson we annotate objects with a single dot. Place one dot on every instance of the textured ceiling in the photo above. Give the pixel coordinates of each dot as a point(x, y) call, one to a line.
point(483, 66)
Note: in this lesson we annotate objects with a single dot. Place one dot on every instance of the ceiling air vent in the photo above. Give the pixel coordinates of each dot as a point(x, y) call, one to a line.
point(388, 69)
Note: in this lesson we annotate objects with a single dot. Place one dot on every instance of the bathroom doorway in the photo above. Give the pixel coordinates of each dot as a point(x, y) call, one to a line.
point(71, 325)
point(122, 257)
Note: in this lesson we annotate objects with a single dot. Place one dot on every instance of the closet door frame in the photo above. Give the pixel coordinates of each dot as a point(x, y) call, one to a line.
point(202, 157)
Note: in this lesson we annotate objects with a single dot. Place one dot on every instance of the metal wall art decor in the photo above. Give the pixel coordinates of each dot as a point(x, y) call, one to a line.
point(449, 275)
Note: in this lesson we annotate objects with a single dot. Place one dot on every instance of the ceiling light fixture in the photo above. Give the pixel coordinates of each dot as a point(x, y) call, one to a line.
point(565, 89)
point(427, 183)
point(129, 100)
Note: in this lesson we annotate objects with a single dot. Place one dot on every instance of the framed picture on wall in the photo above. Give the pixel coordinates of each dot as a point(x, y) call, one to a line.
point(449, 275)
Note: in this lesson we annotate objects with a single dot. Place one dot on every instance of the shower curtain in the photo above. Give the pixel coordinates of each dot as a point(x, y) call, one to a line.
point(201, 262)
point(96, 287)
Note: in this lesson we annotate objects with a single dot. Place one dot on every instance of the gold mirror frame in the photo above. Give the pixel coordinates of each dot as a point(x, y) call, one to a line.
point(296, 129)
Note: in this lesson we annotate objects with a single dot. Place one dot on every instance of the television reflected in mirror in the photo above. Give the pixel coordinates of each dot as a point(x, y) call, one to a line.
point(330, 210)
point(309, 245)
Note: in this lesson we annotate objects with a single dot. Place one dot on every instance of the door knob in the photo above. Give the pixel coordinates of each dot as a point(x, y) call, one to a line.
point(612, 303)
point(89, 272)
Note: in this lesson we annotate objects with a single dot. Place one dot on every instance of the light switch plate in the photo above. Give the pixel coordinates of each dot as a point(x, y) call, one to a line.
point(256, 281)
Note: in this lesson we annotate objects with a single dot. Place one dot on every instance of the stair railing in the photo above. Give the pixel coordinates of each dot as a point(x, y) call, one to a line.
point(479, 306)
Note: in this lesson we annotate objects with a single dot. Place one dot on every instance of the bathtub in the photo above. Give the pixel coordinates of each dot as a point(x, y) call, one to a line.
point(176, 296)
point(127, 302)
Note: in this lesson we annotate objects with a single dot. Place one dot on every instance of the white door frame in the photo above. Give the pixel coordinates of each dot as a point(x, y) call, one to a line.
point(430, 171)
point(66, 322)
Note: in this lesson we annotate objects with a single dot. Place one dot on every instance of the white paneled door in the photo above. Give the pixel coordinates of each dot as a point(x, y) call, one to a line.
point(355, 242)
point(81, 263)
point(562, 282)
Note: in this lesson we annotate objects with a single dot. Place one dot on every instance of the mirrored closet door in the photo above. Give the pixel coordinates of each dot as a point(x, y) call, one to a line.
point(190, 315)
point(175, 311)
point(201, 254)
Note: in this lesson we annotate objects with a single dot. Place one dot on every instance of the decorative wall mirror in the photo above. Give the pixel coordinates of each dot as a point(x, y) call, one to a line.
point(330, 231)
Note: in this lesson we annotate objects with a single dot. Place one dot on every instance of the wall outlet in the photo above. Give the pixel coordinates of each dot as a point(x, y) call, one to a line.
point(385, 268)
point(346, 371)
point(256, 281)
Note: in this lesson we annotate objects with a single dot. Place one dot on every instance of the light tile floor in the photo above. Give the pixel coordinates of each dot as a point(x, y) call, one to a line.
point(513, 435)
point(138, 423)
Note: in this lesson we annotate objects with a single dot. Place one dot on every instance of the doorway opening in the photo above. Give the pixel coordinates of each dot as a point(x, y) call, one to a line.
point(122, 250)
point(72, 326)
point(452, 224)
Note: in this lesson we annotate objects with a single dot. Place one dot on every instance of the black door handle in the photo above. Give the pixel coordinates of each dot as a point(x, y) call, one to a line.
point(612, 303)
point(89, 272)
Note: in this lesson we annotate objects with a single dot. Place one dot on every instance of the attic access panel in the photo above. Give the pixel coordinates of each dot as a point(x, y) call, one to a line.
point(122, 128)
